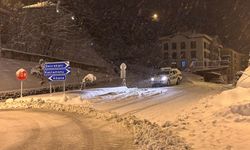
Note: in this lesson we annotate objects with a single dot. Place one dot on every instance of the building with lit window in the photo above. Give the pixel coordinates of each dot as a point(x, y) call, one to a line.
point(181, 49)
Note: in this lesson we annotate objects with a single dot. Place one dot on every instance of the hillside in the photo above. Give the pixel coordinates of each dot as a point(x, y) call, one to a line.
point(9, 67)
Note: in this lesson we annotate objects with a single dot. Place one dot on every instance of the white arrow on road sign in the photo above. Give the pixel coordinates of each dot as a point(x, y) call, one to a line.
point(50, 72)
point(57, 78)
point(56, 65)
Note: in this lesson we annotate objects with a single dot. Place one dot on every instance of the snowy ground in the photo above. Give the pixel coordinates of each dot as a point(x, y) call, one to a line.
point(169, 107)
point(219, 121)
point(155, 104)
point(33, 130)
point(206, 115)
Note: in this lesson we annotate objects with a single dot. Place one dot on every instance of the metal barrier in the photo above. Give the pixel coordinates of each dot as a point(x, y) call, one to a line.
point(212, 64)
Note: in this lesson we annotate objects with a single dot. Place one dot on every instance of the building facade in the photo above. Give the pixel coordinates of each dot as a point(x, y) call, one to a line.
point(236, 62)
point(181, 50)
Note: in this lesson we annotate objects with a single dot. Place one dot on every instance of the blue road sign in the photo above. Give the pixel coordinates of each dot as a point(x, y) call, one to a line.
point(63, 71)
point(57, 78)
point(54, 65)
point(57, 71)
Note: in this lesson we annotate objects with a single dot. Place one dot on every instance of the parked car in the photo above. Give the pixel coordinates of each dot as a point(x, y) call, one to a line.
point(166, 76)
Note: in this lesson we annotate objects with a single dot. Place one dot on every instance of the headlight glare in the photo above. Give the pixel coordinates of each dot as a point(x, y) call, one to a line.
point(164, 78)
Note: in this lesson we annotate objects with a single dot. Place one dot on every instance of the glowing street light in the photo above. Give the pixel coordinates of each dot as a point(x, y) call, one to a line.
point(57, 6)
point(40, 5)
point(155, 17)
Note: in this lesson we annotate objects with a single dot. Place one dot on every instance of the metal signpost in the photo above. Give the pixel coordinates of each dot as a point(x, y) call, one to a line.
point(123, 68)
point(57, 71)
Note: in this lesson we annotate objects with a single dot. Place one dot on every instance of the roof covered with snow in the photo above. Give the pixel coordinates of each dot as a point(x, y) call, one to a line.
point(188, 36)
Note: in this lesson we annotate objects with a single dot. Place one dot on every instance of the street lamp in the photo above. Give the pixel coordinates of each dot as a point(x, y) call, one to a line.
point(155, 17)
point(57, 6)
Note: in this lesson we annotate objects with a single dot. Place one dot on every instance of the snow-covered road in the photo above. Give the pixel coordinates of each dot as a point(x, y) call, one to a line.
point(155, 104)
point(158, 104)
point(33, 130)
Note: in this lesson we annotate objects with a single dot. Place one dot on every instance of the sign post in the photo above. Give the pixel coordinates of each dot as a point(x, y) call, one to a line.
point(21, 75)
point(57, 71)
point(50, 88)
point(123, 68)
point(64, 88)
point(21, 93)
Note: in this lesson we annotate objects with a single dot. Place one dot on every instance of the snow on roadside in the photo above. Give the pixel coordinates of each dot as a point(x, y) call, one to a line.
point(149, 136)
point(244, 80)
point(119, 93)
point(219, 121)
point(100, 95)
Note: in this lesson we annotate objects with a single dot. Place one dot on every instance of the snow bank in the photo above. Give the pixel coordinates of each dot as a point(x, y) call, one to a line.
point(238, 95)
point(244, 81)
point(232, 97)
point(148, 136)
point(219, 121)
point(243, 110)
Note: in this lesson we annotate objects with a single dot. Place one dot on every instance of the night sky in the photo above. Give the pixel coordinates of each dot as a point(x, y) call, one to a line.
point(126, 26)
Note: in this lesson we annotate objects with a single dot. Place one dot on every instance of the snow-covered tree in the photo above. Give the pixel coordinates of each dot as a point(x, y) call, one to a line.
point(38, 71)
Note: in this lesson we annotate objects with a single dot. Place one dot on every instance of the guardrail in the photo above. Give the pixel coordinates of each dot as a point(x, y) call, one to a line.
point(210, 64)
point(20, 55)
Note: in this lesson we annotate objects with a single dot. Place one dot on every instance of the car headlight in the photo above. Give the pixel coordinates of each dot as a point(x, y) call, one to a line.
point(164, 78)
point(152, 79)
